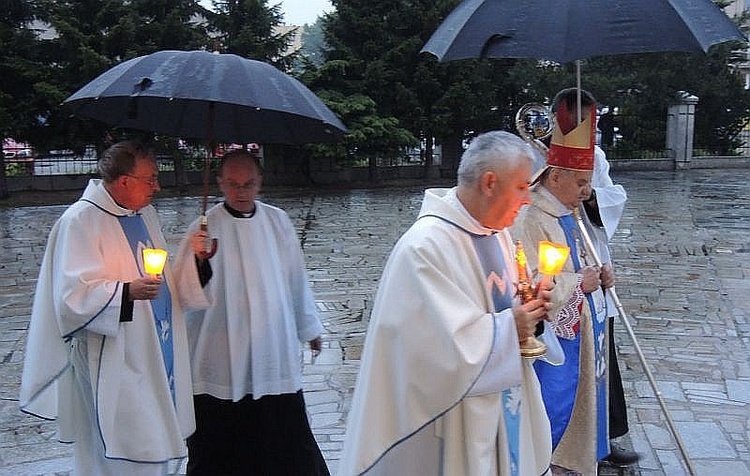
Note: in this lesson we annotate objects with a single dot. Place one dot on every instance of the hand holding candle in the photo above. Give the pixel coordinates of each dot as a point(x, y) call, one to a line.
point(552, 258)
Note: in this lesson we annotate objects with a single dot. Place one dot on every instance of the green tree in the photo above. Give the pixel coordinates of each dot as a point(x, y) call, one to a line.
point(648, 84)
point(432, 101)
point(313, 45)
point(371, 136)
point(87, 37)
point(250, 28)
point(25, 90)
point(84, 38)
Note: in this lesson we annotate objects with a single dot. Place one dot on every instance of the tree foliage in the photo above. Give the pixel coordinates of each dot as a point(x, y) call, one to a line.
point(313, 46)
point(83, 38)
point(23, 83)
point(643, 86)
point(432, 101)
point(248, 28)
point(369, 70)
point(76, 40)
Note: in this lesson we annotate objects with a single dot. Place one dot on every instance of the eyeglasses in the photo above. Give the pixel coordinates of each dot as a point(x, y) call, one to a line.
point(150, 181)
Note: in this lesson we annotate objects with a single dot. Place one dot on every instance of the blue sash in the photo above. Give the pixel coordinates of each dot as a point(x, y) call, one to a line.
point(560, 383)
point(138, 237)
point(501, 287)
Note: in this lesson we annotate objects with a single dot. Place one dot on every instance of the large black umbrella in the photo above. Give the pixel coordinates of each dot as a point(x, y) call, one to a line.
point(210, 96)
point(568, 30)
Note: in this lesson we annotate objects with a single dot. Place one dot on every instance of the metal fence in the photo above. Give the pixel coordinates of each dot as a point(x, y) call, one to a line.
point(71, 164)
point(744, 150)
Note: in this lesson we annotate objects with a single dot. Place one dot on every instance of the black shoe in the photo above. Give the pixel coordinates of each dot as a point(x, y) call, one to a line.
point(620, 456)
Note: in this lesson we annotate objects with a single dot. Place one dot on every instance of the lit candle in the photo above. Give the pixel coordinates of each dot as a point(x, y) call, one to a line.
point(153, 261)
point(530, 346)
point(552, 257)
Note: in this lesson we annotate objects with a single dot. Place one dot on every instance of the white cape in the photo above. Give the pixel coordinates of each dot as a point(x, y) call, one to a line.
point(432, 337)
point(78, 294)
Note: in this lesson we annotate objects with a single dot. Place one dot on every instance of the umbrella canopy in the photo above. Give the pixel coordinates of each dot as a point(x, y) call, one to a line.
point(210, 96)
point(568, 30)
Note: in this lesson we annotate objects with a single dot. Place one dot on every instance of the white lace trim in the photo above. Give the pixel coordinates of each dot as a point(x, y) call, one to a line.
point(566, 322)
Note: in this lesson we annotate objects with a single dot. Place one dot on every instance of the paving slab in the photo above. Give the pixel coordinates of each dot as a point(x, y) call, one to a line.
point(682, 259)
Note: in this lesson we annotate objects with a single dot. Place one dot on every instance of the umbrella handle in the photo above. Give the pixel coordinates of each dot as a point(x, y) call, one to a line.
point(211, 243)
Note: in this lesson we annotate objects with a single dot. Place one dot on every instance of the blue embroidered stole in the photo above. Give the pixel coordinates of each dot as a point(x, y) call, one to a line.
point(501, 286)
point(138, 237)
point(559, 384)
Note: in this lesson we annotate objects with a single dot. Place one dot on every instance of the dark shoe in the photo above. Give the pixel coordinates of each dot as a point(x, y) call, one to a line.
point(620, 456)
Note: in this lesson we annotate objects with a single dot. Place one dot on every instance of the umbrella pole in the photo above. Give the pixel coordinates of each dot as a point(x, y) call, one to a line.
point(211, 243)
point(624, 319)
point(578, 91)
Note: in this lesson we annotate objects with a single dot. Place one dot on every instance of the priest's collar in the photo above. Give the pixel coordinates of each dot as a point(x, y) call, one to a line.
point(239, 214)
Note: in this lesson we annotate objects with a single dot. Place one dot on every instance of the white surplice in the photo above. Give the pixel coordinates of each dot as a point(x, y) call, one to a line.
point(75, 335)
point(432, 342)
point(246, 325)
point(610, 200)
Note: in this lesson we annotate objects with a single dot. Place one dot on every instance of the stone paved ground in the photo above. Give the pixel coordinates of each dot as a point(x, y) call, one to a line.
point(682, 258)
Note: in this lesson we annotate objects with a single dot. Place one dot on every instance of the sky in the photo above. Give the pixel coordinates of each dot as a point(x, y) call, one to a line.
point(296, 12)
point(299, 12)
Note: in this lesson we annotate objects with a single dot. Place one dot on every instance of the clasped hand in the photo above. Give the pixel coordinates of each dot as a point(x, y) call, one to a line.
point(595, 277)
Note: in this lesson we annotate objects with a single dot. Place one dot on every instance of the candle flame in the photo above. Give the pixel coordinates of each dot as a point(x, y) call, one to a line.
point(153, 260)
point(552, 257)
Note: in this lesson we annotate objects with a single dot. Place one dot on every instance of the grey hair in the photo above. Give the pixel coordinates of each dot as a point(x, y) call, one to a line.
point(491, 151)
point(120, 159)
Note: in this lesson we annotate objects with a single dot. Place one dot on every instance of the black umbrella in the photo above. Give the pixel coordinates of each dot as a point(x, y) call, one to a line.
point(568, 30)
point(210, 96)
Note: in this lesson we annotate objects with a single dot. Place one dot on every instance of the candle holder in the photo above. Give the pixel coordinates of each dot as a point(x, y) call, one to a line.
point(153, 261)
point(552, 257)
point(531, 347)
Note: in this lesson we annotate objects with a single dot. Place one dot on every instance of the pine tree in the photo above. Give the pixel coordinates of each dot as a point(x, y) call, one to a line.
point(250, 28)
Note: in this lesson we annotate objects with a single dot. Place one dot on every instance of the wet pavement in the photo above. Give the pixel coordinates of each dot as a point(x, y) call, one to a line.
point(682, 256)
